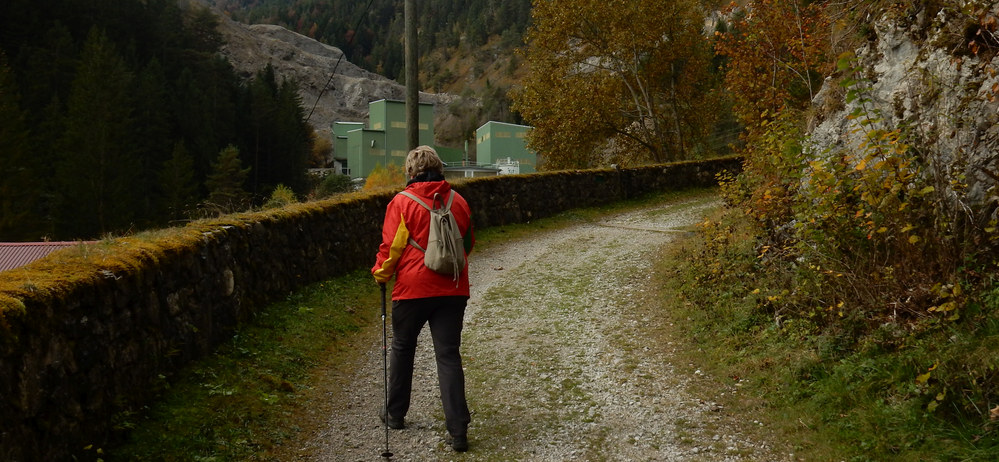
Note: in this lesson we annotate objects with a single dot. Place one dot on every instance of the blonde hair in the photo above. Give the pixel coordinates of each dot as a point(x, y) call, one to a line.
point(423, 159)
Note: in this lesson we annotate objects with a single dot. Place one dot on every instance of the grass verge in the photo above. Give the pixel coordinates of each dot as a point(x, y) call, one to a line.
point(839, 389)
point(261, 388)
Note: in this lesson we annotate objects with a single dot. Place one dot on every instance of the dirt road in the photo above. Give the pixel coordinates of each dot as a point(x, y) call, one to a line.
point(556, 365)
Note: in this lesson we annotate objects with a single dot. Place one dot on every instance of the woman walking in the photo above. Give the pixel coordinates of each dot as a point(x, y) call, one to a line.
point(423, 296)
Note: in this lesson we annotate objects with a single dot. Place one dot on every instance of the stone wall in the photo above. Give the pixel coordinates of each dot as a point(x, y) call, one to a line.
point(90, 332)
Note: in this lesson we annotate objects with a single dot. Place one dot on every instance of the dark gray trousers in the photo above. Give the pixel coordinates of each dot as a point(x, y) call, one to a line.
point(445, 316)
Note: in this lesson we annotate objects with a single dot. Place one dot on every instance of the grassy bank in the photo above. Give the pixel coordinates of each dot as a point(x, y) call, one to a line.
point(262, 387)
point(832, 383)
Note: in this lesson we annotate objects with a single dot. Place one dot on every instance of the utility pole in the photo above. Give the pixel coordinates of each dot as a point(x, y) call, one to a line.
point(412, 77)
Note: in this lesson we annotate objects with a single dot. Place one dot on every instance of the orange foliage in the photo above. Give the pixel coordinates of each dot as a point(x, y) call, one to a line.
point(635, 72)
point(390, 176)
point(778, 54)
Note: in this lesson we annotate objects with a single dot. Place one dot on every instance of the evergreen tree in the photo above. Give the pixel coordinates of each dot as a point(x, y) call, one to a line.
point(279, 138)
point(152, 135)
point(225, 184)
point(260, 139)
point(205, 109)
point(294, 140)
point(19, 187)
point(47, 70)
point(333, 184)
point(102, 115)
point(177, 186)
point(204, 34)
point(97, 163)
point(190, 110)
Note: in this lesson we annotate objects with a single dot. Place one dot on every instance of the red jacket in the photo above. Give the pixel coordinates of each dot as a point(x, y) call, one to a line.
point(405, 219)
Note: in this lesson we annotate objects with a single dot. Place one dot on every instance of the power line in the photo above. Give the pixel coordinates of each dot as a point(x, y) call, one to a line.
point(342, 53)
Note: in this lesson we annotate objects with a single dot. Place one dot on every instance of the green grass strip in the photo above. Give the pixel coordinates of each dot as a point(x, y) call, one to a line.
point(254, 393)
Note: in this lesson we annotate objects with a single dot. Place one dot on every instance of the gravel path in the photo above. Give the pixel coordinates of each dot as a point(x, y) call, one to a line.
point(556, 365)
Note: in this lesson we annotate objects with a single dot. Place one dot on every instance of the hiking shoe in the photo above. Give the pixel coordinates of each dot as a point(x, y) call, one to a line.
point(392, 422)
point(459, 443)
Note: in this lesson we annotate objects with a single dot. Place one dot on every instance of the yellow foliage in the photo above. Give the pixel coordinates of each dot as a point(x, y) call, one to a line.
point(390, 176)
point(281, 197)
point(634, 78)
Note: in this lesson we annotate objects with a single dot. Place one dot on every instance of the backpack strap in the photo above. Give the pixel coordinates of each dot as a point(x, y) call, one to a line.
point(444, 208)
point(415, 198)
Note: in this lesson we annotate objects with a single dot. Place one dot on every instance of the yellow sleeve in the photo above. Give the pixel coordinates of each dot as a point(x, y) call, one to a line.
point(384, 272)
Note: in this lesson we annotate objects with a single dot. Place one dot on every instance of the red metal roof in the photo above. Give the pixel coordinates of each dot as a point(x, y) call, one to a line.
point(15, 254)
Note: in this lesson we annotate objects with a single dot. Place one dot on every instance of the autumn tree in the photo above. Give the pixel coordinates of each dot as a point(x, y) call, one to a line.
point(632, 72)
point(322, 150)
point(778, 56)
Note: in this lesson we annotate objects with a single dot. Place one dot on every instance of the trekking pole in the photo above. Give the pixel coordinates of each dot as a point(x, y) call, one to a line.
point(387, 454)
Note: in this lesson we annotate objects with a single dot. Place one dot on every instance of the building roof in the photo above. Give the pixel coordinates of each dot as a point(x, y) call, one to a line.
point(17, 254)
point(399, 101)
point(470, 168)
point(494, 122)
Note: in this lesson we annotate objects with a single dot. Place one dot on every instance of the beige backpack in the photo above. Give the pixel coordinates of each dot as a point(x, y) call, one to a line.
point(445, 252)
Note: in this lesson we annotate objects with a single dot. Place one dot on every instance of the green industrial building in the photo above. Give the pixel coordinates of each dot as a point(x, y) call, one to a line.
point(505, 146)
point(501, 147)
point(340, 130)
point(383, 142)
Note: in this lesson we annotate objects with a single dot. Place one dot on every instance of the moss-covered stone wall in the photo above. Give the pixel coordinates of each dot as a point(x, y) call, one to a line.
point(90, 332)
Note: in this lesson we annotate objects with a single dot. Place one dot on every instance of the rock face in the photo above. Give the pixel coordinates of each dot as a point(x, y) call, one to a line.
point(310, 63)
point(922, 77)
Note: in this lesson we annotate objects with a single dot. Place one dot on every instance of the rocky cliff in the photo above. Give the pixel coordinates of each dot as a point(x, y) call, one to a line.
point(310, 63)
point(932, 74)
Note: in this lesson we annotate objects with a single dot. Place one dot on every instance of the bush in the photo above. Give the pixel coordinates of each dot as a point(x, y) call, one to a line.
point(389, 176)
point(333, 184)
point(826, 377)
point(281, 197)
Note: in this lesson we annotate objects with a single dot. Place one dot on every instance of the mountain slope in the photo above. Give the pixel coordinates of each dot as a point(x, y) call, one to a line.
point(309, 63)
point(467, 83)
